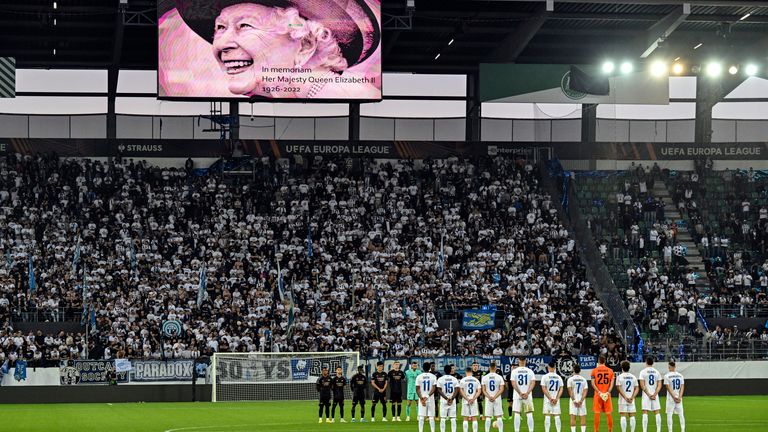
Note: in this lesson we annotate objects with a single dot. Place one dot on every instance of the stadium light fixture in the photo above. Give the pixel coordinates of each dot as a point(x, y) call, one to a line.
point(677, 68)
point(55, 6)
point(714, 69)
point(733, 70)
point(747, 15)
point(751, 70)
point(608, 67)
point(450, 42)
point(437, 56)
point(626, 67)
point(698, 46)
point(658, 68)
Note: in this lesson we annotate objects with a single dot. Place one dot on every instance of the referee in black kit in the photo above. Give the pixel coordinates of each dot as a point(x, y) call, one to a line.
point(323, 386)
point(477, 373)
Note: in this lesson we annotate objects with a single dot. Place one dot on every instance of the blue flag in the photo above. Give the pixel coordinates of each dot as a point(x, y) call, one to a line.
point(32, 283)
point(202, 294)
point(478, 319)
point(20, 372)
point(76, 257)
point(309, 240)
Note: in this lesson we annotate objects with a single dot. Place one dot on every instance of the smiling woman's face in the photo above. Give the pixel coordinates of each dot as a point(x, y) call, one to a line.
point(247, 38)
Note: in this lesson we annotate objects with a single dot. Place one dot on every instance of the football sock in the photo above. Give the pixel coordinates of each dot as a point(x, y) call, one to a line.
point(623, 423)
point(597, 421)
point(573, 428)
point(558, 424)
point(669, 422)
point(432, 424)
point(474, 425)
point(465, 425)
point(547, 423)
point(408, 410)
point(488, 424)
point(583, 428)
point(384, 409)
point(373, 410)
point(682, 422)
point(500, 424)
point(517, 422)
point(645, 422)
point(453, 424)
point(399, 409)
point(530, 421)
point(421, 424)
point(442, 424)
point(658, 422)
point(632, 424)
point(394, 410)
point(609, 418)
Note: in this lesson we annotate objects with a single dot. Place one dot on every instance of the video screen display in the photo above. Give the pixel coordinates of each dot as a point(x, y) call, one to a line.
point(269, 49)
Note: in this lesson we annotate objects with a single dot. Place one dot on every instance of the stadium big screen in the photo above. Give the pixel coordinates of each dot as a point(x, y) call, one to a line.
point(301, 50)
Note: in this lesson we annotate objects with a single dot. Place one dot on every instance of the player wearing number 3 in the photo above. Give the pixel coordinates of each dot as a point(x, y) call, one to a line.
point(650, 384)
point(425, 389)
point(602, 384)
point(523, 381)
point(493, 389)
point(552, 386)
point(675, 388)
point(469, 387)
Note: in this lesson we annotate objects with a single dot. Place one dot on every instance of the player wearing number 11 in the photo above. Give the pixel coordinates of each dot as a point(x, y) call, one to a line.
point(425, 389)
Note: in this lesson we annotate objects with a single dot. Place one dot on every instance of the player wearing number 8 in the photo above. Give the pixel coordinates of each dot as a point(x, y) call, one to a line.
point(675, 388)
point(602, 384)
point(425, 388)
point(650, 384)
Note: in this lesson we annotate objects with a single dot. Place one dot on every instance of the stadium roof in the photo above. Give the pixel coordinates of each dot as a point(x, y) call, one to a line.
point(94, 34)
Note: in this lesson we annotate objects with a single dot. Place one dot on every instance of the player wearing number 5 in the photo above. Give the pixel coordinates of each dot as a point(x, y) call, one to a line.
point(425, 388)
point(523, 381)
point(650, 384)
point(447, 389)
point(602, 384)
point(627, 387)
point(675, 387)
point(552, 386)
point(493, 389)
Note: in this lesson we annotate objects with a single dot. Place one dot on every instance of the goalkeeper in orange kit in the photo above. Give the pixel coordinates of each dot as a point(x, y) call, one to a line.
point(602, 384)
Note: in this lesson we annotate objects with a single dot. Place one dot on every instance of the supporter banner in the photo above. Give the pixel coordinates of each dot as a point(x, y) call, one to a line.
point(158, 370)
point(145, 148)
point(89, 372)
point(477, 319)
point(538, 364)
point(299, 369)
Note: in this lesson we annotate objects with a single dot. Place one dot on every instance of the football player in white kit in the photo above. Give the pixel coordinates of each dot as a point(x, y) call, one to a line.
point(577, 390)
point(626, 385)
point(675, 384)
point(448, 390)
point(493, 390)
point(425, 389)
point(523, 381)
point(470, 390)
point(650, 384)
point(552, 386)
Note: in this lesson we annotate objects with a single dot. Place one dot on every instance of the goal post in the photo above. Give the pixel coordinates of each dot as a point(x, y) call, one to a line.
point(275, 376)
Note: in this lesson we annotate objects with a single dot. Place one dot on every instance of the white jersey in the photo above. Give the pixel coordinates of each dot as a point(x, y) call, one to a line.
point(651, 377)
point(426, 383)
point(471, 386)
point(525, 380)
point(626, 384)
point(578, 385)
point(675, 382)
point(552, 383)
point(449, 385)
point(492, 382)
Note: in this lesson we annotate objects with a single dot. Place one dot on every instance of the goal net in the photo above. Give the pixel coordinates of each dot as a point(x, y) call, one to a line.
point(275, 376)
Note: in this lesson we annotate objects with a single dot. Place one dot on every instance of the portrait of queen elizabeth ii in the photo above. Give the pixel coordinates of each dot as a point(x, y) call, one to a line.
point(269, 49)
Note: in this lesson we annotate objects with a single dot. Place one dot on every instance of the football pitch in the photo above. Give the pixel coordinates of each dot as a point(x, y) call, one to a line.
point(702, 414)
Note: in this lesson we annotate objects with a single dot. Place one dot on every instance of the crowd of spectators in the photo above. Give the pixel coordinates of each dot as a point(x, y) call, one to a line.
point(369, 253)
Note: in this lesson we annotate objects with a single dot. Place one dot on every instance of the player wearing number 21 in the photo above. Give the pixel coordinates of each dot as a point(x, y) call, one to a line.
point(523, 381)
point(425, 389)
point(675, 388)
point(552, 386)
point(493, 390)
point(447, 389)
point(650, 384)
point(602, 384)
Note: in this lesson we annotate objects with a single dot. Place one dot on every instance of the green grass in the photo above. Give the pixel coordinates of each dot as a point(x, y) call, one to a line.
point(703, 414)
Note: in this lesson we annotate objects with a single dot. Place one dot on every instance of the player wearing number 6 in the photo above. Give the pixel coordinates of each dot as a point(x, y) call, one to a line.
point(425, 388)
point(552, 386)
point(447, 389)
point(602, 384)
point(523, 381)
point(650, 384)
point(493, 389)
point(469, 387)
point(675, 387)
point(627, 387)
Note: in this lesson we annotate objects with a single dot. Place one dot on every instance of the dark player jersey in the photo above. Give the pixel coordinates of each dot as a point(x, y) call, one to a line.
point(479, 375)
point(338, 383)
point(380, 379)
point(396, 378)
point(357, 384)
point(323, 385)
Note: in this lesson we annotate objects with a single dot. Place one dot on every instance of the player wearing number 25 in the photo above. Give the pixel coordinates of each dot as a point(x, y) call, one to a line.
point(602, 384)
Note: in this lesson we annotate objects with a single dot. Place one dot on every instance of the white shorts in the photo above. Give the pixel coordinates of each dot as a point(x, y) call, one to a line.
point(674, 408)
point(493, 409)
point(651, 405)
point(626, 407)
point(551, 409)
point(523, 405)
point(428, 410)
point(469, 410)
point(448, 411)
point(580, 411)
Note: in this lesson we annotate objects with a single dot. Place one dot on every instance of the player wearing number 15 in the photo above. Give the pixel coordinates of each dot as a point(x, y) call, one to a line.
point(602, 384)
point(523, 381)
point(425, 389)
point(675, 388)
point(493, 390)
point(552, 386)
point(650, 384)
point(448, 389)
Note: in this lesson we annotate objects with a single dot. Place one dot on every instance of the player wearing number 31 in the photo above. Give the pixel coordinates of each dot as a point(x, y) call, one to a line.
point(493, 389)
point(425, 389)
point(523, 381)
point(675, 388)
point(552, 386)
point(602, 384)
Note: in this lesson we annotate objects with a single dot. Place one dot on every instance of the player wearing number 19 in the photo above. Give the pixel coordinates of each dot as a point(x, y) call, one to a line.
point(493, 390)
point(675, 389)
point(552, 387)
point(447, 389)
point(602, 384)
point(523, 381)
point(425, 389)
